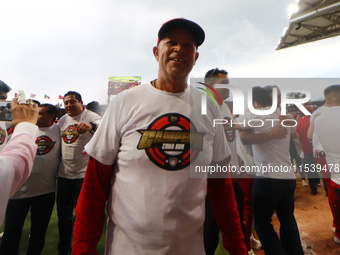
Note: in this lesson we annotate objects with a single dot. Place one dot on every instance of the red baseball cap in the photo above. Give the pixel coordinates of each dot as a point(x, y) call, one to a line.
point(191, 26)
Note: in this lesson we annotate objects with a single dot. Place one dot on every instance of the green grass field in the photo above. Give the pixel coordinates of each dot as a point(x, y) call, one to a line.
point(51, 240)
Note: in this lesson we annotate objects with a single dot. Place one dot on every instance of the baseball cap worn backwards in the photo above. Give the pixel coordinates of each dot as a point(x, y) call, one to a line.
point(191, 26)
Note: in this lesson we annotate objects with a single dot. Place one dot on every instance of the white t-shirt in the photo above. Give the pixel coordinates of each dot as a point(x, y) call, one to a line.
point(74, 161)
point(316, 143)
point(272, 157)
point(156, 205)
point(327, 128)
point(43, 177)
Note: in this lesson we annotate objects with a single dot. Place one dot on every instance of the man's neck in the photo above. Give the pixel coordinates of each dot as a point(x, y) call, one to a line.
point(48, 125)
point(171, 84)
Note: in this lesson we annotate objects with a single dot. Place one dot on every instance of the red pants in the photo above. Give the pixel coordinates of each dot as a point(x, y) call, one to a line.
point(246, 185)
point(336, 206)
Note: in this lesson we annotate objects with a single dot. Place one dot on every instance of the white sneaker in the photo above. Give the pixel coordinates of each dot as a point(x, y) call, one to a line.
point(251, 252)
point(304, 183)
point(1, 235)
point(254, 243)
point(333, 229)
point(336, 240)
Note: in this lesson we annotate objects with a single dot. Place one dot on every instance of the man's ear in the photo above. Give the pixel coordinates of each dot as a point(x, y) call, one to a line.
point(196, 56)
point(155, 52)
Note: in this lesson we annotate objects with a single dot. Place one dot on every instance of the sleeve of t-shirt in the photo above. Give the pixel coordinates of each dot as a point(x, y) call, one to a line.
point(21, 150)
point(94, 117)
point(223, 204)
point(90, 210)
point(16, 161)
point(104, 144)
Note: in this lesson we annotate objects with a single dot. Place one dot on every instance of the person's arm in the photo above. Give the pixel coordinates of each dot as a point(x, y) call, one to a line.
point(16, 159)
point(90, 210)
point(83, 127)
point(21, 149)
point(310, 130)
point(247, 137)
point(91, 125)
point(223, 204)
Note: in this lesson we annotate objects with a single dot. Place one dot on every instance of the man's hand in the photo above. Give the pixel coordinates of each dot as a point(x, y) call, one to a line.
point(24, 112)
point(83, 127)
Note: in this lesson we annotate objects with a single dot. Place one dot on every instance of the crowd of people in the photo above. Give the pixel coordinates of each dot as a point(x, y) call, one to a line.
point(132, 169)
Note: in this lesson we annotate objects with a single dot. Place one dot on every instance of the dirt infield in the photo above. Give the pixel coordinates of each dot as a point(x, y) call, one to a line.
point(314, 219)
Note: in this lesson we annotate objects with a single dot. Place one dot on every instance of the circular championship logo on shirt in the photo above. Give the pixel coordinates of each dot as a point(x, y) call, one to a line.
point(45, 145)
point(229, 129)
point(70, 134)
point(2, 136)
point(171, 141)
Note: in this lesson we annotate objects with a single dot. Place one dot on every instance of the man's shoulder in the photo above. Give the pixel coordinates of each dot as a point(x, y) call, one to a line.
point(329, 114)
point(63, 118)
point(131, 91)
point(53, 131)
point(91, 115)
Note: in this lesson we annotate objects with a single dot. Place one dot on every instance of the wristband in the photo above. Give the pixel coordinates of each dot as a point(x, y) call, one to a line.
point(94, 126)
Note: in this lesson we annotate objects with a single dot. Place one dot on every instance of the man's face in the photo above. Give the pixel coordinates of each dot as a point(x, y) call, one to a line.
point(73, 107)
point(221, 79)
point(176, 53)
point(3, 96)
point(44, 119)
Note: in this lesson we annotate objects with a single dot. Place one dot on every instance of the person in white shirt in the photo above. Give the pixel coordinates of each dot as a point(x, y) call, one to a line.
point(77, 128)
point(327, 128)
point(143, 159)
point(37, 194)
point(211, 229)
point(274, 186)
point(16, 159)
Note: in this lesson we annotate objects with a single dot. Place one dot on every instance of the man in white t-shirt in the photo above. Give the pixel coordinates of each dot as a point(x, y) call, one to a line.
point(327, 128)
point(143, 160)
point(274, 186)
point(319, 153)
point(236, 199)
point(37, 194)
point(77, 128)
point(16, 159)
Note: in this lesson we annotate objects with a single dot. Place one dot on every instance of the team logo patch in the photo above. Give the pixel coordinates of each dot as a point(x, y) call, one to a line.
point(171, 141)
point(45, 145)
point(70, 134)
point(229, 129)
point(2, 136)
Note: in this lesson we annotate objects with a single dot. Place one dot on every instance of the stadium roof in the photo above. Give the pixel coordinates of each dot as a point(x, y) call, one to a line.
point(314, 20)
